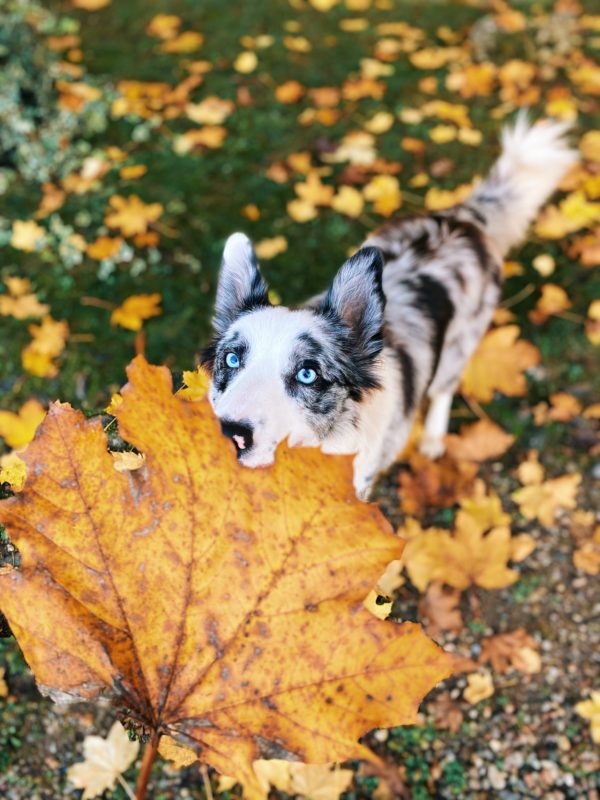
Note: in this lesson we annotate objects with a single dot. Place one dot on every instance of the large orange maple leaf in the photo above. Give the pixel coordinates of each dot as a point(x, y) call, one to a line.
point(219, 605)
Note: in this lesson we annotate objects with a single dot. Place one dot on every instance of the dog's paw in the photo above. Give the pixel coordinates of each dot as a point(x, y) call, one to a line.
point(432, 447)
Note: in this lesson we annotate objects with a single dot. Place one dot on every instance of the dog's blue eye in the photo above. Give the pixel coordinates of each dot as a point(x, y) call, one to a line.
point(232, 361)
point(306, 376)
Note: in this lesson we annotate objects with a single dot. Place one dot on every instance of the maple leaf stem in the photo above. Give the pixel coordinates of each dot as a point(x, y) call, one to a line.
point(97, 303)
point(126, 787)
point(206, 782)
point(475, 408)
point(519, 296)
point(146, 768)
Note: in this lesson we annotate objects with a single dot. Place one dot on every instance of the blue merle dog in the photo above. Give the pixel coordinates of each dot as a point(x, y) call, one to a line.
point(347, 371)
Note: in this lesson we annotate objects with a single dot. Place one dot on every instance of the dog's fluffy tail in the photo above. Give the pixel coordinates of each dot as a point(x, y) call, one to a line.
point(533, 160)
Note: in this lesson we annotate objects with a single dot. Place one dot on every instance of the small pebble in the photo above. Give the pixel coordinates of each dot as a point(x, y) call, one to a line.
point(496, 778)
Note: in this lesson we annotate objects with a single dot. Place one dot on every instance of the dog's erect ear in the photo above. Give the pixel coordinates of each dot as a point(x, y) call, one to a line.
point(356, 297)
point(241, 286)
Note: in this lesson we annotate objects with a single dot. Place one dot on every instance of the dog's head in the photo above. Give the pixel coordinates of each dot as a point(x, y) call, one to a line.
point(279, 373)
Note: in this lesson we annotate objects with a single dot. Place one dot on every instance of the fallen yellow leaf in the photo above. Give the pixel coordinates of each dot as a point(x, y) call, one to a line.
point(26, 235)
point(590, 709)
point(542, 500)
point(211, 111)
point(554, 299)
point(269, 248)
point(131, 215)
point(13, 471)
point(91, 5)
point(18, 429)
point(348, 201)
point(135, 309)
point(186, 42)
point(105, 761)
point(480, 686)
point(246, 62)
point(499, 364)
point(384, 192)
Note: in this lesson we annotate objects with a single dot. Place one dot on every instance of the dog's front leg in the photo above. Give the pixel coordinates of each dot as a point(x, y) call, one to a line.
point(436, 425)
point(370, 461)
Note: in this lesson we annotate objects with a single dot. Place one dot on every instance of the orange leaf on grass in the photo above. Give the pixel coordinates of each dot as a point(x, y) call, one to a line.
point(104, 247)
point(164, 26)
point(186, 42)
point(218, 605)
point(289, 92)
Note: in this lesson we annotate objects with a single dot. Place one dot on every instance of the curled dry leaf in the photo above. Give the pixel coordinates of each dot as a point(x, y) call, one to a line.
point(479, 442)
point(516, 650)
point(445, 713)
point(218, 605)
point(435, 484)
point(439, 609)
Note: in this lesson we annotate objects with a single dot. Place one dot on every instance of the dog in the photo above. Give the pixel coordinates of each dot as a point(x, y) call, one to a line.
point(347, 371)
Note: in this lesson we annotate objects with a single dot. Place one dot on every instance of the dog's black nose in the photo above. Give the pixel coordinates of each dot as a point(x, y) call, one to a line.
point(240, 433)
